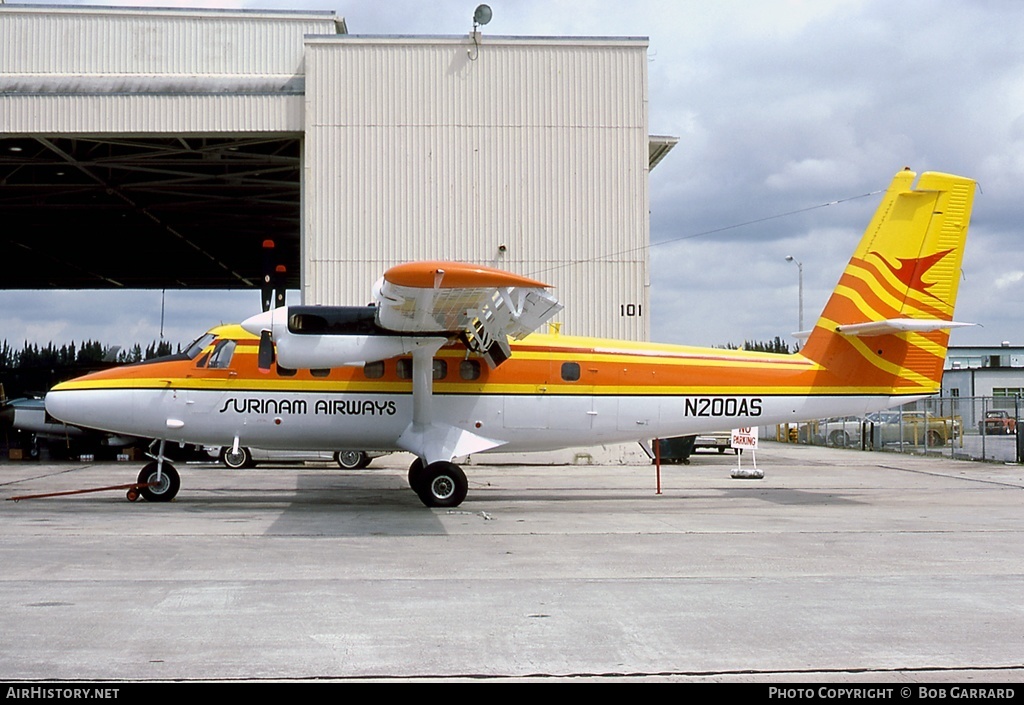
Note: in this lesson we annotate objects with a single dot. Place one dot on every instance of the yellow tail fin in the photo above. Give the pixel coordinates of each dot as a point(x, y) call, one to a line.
point(887, 323)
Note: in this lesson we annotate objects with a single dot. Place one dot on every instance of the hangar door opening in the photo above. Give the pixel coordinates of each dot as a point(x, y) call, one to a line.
point(84, 212)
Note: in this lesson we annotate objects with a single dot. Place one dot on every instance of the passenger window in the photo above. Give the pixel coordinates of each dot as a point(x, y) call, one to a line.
point(571, 371)
point(201, 362)
point(320, 372)
point(373, 370)
point(404, 368)
point(469, 370)
point(285, 371)
point(220, 358)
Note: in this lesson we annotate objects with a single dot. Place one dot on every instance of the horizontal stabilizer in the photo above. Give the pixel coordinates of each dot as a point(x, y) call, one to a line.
point(898, 325)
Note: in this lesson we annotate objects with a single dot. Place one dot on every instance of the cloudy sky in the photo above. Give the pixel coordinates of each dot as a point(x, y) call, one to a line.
point(781, 106)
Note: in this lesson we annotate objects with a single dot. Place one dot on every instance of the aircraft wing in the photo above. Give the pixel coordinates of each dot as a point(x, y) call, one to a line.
point(485, 305)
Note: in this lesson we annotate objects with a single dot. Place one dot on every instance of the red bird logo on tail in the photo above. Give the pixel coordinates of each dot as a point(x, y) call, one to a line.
point(911, 271)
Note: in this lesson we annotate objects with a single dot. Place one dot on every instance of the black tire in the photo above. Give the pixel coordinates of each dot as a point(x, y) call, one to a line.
point(839, 439)
point(443, 484)
point(351, 459)
point(166, 489)
point(935, 439)
point(237, 461)
point(416, 475)
point(721, 450)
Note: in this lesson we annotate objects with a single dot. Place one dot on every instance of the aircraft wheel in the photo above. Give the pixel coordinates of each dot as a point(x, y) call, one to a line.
point(416, 475)
point(352, 459)
point(443, 484)
point(167, 487)
point(236, 461)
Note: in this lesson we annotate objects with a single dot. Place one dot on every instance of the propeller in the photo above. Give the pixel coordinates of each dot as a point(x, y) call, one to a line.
point(265, 357)
point(275, 278)
point(267, 289)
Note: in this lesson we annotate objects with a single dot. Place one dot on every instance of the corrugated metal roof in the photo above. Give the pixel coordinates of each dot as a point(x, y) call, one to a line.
point(127, 49)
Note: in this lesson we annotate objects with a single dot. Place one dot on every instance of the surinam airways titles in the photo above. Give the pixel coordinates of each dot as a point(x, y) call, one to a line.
point(338, 407)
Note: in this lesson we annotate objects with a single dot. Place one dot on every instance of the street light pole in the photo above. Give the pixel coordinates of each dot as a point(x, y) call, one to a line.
point(800, 288)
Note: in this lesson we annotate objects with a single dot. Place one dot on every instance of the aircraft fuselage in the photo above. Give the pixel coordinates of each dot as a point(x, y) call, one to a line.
point(555, 392)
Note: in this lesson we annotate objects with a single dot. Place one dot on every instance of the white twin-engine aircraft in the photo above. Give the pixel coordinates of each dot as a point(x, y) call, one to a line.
point(446, 363)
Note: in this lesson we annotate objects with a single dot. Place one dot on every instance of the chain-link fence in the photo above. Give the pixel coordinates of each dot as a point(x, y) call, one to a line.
point(974, 428)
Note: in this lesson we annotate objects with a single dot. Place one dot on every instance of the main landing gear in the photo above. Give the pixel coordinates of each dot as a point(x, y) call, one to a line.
point(439, 484)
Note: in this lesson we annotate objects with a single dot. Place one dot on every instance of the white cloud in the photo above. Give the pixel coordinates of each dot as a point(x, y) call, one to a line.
point(1009, 280)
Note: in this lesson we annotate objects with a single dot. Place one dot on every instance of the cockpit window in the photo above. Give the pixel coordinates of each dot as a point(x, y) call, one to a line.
point(198, 345)
point(221, 357)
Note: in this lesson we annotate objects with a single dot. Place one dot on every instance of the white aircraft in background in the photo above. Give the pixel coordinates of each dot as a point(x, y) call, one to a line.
point(445, 363)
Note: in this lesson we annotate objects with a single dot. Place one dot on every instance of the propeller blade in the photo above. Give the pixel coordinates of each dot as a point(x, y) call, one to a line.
point(267, 287)
point(280, 283)
point(265, 358)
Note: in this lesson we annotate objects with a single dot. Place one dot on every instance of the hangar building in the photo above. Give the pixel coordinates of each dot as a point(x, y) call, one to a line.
point(158, 148)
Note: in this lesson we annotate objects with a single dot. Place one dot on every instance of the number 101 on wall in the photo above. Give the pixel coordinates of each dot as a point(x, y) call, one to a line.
point(631, 310)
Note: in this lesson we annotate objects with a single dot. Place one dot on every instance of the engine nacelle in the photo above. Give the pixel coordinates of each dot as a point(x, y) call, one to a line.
point(325, 351)
point(321, 337)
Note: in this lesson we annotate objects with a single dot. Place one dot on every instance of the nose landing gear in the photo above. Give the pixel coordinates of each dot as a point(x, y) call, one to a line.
point(158, 484)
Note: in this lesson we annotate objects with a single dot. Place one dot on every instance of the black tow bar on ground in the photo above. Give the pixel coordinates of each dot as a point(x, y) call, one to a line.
point(132, 494)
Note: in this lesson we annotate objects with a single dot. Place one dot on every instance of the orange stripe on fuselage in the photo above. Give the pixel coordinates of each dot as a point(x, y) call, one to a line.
point(606, 368)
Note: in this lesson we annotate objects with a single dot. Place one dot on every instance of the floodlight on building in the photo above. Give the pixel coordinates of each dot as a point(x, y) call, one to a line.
point(481, 16)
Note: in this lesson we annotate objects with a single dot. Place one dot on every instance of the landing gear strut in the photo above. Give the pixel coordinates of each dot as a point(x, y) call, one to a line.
point(440, 484)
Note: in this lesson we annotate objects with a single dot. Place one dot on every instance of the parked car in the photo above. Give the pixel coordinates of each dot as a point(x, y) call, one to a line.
point(841, 432)
point(998, 421)
point(913, 428)
point(250, 457)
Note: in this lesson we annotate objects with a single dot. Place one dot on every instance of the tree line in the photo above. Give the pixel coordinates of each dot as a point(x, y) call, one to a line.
point(778, 345)
point(33, 368)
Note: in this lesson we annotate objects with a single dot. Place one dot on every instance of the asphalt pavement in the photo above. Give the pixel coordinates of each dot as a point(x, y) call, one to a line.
point(838, 565)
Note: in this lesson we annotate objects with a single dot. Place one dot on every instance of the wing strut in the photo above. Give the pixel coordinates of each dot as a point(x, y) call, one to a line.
point(432, 440)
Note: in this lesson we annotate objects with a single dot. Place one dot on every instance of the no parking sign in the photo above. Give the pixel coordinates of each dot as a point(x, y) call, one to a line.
point(744, 438)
